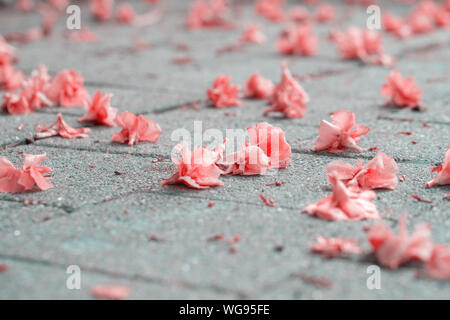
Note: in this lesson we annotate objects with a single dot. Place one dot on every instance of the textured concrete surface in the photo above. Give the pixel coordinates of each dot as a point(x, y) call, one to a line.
point(109, 215)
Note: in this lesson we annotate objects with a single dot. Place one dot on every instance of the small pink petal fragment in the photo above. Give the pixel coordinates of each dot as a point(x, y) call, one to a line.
point(443, 172)
point(135, 129)
point(99, 110)
point(223, 94)
point(335, 247)
point(60, 128)
point(258, 87)
point(392, 250)
point(402, 92)
point(438, 265)
point(324, 13)
point(112, 292)
point(419, 198)
point(196, 169)
point(341, 134)
point(271, 10)
point(288, 97)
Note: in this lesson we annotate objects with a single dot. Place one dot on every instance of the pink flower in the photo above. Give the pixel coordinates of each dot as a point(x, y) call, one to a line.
point(392, 250)
point(420, 21)
point(438, 264)
point(67, 89)
point(272, 141)
point(342, 133)
point(125, 13)
point(272, 10)
point(297, 40)
point(325, 12)
point(102, 9)
point(112, 292)
point(358, 43)
point(25, 5)
point(35, 86)
point(223, 94)
point(258, 87)
point(403, 92)
point(15, 103)
point(443, 172)
point(10, 78)
point(60, 128)
point(288, 97)
point(252, 34)
point(136, 129)
point(99, 110)
point(344, 204)
point(378, 173)
point(205, 14)
point(6, 52)
point(335, 247)
point(197, 169)
point(250, 160)
point(19, 180)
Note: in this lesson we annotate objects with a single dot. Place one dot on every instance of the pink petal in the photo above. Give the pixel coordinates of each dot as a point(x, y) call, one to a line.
point(113, 292)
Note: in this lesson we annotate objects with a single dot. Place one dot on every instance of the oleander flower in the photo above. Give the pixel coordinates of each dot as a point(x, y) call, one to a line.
point(258, 87)
point(442, 176)
point(342, 133)
point(67, 89)
point(223, 94)
point(99, 110)
point(135, 129)
point(402, 92)
point(60, 128)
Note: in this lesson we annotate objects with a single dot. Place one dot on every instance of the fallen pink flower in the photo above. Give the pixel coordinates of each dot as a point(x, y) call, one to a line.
point(344, 204)
point(272, 141)
point(10, 78)
point(208, 14)
point(258, 87)
point(342, 133)
point(271, 10)
point(402, 92)
point(335, 247)
point(223, 94)
point(378, 173)
point(60, 128)
point(135, 129)
point(443, 172)
point(438, 264)
point(25, 5)
point(324, 13)
point(102, 9)
point(99, 110)
point(14, 180)
point(297, 40)
point(6, 52)
point(395, 25)
point(267, 201)
point(250, 160)
point(252, 34)
point(13, 103)
point(358, 44)
point(196, 169)
point(125, 13)
point(112, 292)
point(35, 86)
point(393, 250)
point(67, 89)
point(288, 97)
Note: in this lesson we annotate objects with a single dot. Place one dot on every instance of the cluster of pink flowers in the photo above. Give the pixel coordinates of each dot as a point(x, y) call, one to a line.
point(266, 149)
point(287, 97)
point(423, 18)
